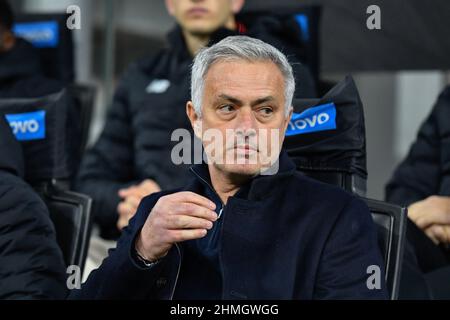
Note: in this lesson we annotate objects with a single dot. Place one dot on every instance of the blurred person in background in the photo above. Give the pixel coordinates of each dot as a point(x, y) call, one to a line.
point(422, 183)
point(132, 157)
point(31, 262)
point(21, 74)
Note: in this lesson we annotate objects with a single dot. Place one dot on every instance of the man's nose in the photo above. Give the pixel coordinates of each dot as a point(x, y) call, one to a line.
point(245, 122)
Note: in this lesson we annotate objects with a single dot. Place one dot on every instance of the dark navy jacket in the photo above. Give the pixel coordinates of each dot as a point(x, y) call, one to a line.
point(426, 169)
point(292, 238)
point(31, 262)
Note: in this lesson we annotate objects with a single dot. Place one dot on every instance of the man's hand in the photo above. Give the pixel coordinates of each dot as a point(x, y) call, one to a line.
point(438, 234)
point(175, 218)
point(132, 196)
point(432, 215)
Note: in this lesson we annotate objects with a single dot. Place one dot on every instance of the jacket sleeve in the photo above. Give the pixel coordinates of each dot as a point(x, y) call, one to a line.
point(348, 256)
point(418, 176)
point(108, 165)
point(120, 276)
point(31, 263)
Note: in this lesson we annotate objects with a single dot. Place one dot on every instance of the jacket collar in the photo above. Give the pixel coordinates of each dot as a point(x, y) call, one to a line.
point(259, 187)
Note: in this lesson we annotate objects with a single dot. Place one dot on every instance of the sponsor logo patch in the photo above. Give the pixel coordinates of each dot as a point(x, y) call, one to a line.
point(314, 119)
point(158, 86)
point(43, 34)
point(27, 126)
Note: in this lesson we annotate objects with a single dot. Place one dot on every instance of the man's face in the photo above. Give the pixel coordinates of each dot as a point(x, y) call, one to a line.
point(2, 41)
point(244, 102)
point(7, 40)
point(203, 17)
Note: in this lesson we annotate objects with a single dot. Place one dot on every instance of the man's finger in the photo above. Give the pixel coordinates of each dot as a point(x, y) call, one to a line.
point(440, 233)
point(416, 210)
point(122, 223)
point(187, 196)
point(133, 201)
point(194, 210)
point(139, 191)
point(125, 209)
point(447, 234)
point(149, 186)
point(430, 233)
point(433, 217)
point(187, 222)
point(185, 235)
point(123, 193)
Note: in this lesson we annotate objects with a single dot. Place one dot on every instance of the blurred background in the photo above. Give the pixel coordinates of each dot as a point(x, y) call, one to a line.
point(399, 69)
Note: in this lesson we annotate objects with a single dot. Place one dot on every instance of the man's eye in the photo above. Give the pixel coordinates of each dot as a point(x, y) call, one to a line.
point(266, 111)
point(226, 108)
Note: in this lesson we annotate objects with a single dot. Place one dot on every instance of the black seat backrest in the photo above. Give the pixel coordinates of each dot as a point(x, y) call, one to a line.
point(391, 227)
point(43, 126)
point(84, 98)
point(47, 128)
point(49, 33)
point(70, 213)
point(348, 181)
point(326, 138)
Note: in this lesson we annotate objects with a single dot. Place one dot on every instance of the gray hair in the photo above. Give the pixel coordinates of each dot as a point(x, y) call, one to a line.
point(238, 48)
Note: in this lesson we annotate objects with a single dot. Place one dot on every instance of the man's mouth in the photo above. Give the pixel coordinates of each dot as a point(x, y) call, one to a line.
point(247, 149)
point(197, 11)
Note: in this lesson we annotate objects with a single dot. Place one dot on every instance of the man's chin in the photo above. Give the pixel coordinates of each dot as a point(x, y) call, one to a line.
point(247, 170)
point(201, 29)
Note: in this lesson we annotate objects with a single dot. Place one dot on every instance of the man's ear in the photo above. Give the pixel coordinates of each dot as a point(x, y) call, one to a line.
point(236, 5)
point(170, 8)
point(194, 119)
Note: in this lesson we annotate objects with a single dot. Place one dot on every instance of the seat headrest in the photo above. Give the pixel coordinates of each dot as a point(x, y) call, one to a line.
point(328, 134)
point(11, 157)
point(46, 129)
point(49, 33)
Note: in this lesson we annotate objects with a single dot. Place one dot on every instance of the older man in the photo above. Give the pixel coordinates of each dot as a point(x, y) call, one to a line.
point(131, 159)
point(247, 227)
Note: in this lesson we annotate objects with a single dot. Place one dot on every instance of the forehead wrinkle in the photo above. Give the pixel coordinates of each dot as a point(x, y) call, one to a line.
point(220, 81)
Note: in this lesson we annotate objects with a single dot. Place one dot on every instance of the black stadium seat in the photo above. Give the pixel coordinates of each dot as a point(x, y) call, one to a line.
point(49, 33)
point(326, 140)
point(54, 41)
point(44, 126)
point(391, 223)
point(70, 213)
point(84, 100)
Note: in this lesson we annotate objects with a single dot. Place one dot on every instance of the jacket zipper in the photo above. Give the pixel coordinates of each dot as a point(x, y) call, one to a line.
point(221, 227)
point(178, 247)
point(178, 272)
point(214, 191)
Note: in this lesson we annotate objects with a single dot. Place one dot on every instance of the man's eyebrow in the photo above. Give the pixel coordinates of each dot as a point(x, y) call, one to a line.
point(239, 102)
point(263, 100)
point(230, 98)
